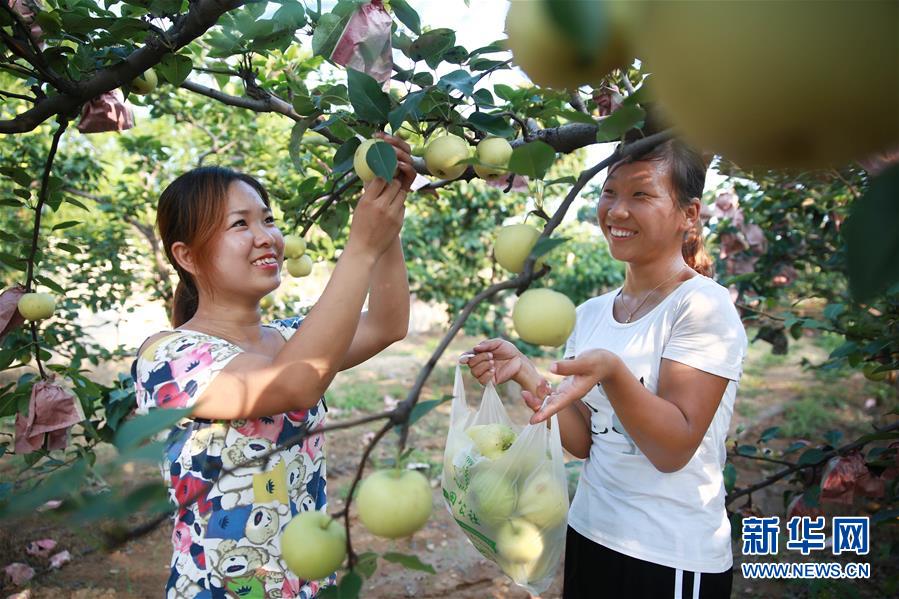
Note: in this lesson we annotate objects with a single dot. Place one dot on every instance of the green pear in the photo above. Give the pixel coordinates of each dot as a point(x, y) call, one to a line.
point(544, 317)
point(493, 493)
point(519, 541)
point(493, 153)
point(443, 154)
point(543, 500)
point(492, 440)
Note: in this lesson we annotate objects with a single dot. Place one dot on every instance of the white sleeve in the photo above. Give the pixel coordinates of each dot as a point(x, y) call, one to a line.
point(707, 334)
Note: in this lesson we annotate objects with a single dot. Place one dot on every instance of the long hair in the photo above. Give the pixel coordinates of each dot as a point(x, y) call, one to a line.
point(191, 210)
point(687, 169)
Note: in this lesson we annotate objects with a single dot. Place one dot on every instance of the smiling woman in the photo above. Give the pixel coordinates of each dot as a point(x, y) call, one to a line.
point(651, 374)
point(252, 387)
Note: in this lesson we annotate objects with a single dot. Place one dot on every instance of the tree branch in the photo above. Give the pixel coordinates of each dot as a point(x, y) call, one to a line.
point(269, 103)
point(202, 15)
point(737, 493)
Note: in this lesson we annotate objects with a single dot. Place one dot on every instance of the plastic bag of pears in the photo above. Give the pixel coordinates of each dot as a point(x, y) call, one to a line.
point(505, 486)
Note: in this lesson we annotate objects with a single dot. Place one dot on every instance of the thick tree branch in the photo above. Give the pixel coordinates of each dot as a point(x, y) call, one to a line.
point(202, 15)
point(268, 103)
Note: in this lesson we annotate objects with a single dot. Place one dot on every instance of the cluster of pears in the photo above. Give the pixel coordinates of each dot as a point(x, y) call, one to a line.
point(541, 316)
point(770, 84)
point(392, 503)
point(297, 261)
point(446, 155)
point(522, 503)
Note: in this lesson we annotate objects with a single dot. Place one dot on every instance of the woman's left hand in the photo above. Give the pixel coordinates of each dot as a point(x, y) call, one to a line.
point(406, 171)
point(582, 373)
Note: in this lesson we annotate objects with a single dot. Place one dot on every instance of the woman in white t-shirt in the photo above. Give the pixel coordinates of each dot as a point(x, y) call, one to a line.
point(651, 374)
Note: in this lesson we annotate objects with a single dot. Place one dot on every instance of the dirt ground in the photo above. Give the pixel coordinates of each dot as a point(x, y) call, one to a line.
point(140, 568)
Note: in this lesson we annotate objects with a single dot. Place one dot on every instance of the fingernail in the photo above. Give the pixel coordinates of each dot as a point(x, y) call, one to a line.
point(554, 368)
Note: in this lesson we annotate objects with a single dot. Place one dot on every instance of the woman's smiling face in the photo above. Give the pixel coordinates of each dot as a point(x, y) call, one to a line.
point(249, 251)
point(639, 214)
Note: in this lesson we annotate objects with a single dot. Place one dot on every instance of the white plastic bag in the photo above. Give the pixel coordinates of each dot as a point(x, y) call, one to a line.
point(512, 503)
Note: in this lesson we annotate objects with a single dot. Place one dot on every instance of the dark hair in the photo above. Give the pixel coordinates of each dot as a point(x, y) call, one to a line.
point(191, 210)
point(687, 169)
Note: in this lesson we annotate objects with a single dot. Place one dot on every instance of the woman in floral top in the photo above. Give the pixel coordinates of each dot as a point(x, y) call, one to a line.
point(252, 387)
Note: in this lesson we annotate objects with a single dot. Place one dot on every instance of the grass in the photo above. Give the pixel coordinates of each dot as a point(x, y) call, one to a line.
point(807, 417)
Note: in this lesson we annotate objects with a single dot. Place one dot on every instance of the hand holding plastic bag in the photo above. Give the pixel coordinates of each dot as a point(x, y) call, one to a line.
point(505, 486)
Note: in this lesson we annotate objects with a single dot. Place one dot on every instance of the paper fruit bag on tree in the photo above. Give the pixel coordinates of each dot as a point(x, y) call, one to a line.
point(505, 486)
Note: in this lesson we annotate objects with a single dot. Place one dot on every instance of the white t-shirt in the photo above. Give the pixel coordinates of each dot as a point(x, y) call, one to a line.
point(623, 502)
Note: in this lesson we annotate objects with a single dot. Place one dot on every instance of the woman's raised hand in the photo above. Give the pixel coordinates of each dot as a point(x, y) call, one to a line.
point(378, 217)
point(406, 171)
point(494, 360)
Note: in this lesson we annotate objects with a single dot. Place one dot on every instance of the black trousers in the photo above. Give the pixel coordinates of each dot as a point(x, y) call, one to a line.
point(596, 572)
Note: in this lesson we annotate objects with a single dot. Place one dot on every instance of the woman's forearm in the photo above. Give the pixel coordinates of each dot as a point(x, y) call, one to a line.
point(657, 426)
point(388, 298)
point(328, 330)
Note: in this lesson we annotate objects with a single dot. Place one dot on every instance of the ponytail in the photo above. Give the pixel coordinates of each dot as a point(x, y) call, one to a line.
point(695, 254)
point(185, 302)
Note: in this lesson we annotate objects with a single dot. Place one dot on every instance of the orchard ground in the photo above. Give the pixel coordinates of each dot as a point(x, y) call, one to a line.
point(775, 391)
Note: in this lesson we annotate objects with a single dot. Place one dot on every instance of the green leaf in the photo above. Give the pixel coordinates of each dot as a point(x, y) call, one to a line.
point(350, 585)
point(60, 484)
point(844, 350)
point(730, 477)
point(569, 180)
point(53, 285)
point(381, 158)
point(460, 80)
point(811, 456)
point(872, 246)
point(884, 516)
point(812, 496)
point(491, 124)
point(833, 311)
point(532, 159)
point(343, 157)
point(295, 143)
point(482, 64)
point(504, 91)
point(409, 108)
point(335, 220)
point(833, 437)
point(407, 15)
point(483, 98)
point(330, 592)
point(409, 561)
point(431, 45)
point(65, 225)
point(619, 122)
point(423, 407)
point(136, 431)
point(367, 563)
point(747, 450)
point(175, 68)
point(577, 116)
point(794, 447)
point(641, 95)
point(326, 34)
point(546, 245)
point(369, 101)
point(769, 433)
point(291, 15)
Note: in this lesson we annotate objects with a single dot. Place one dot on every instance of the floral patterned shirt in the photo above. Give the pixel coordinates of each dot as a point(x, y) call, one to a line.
point(227, 543)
